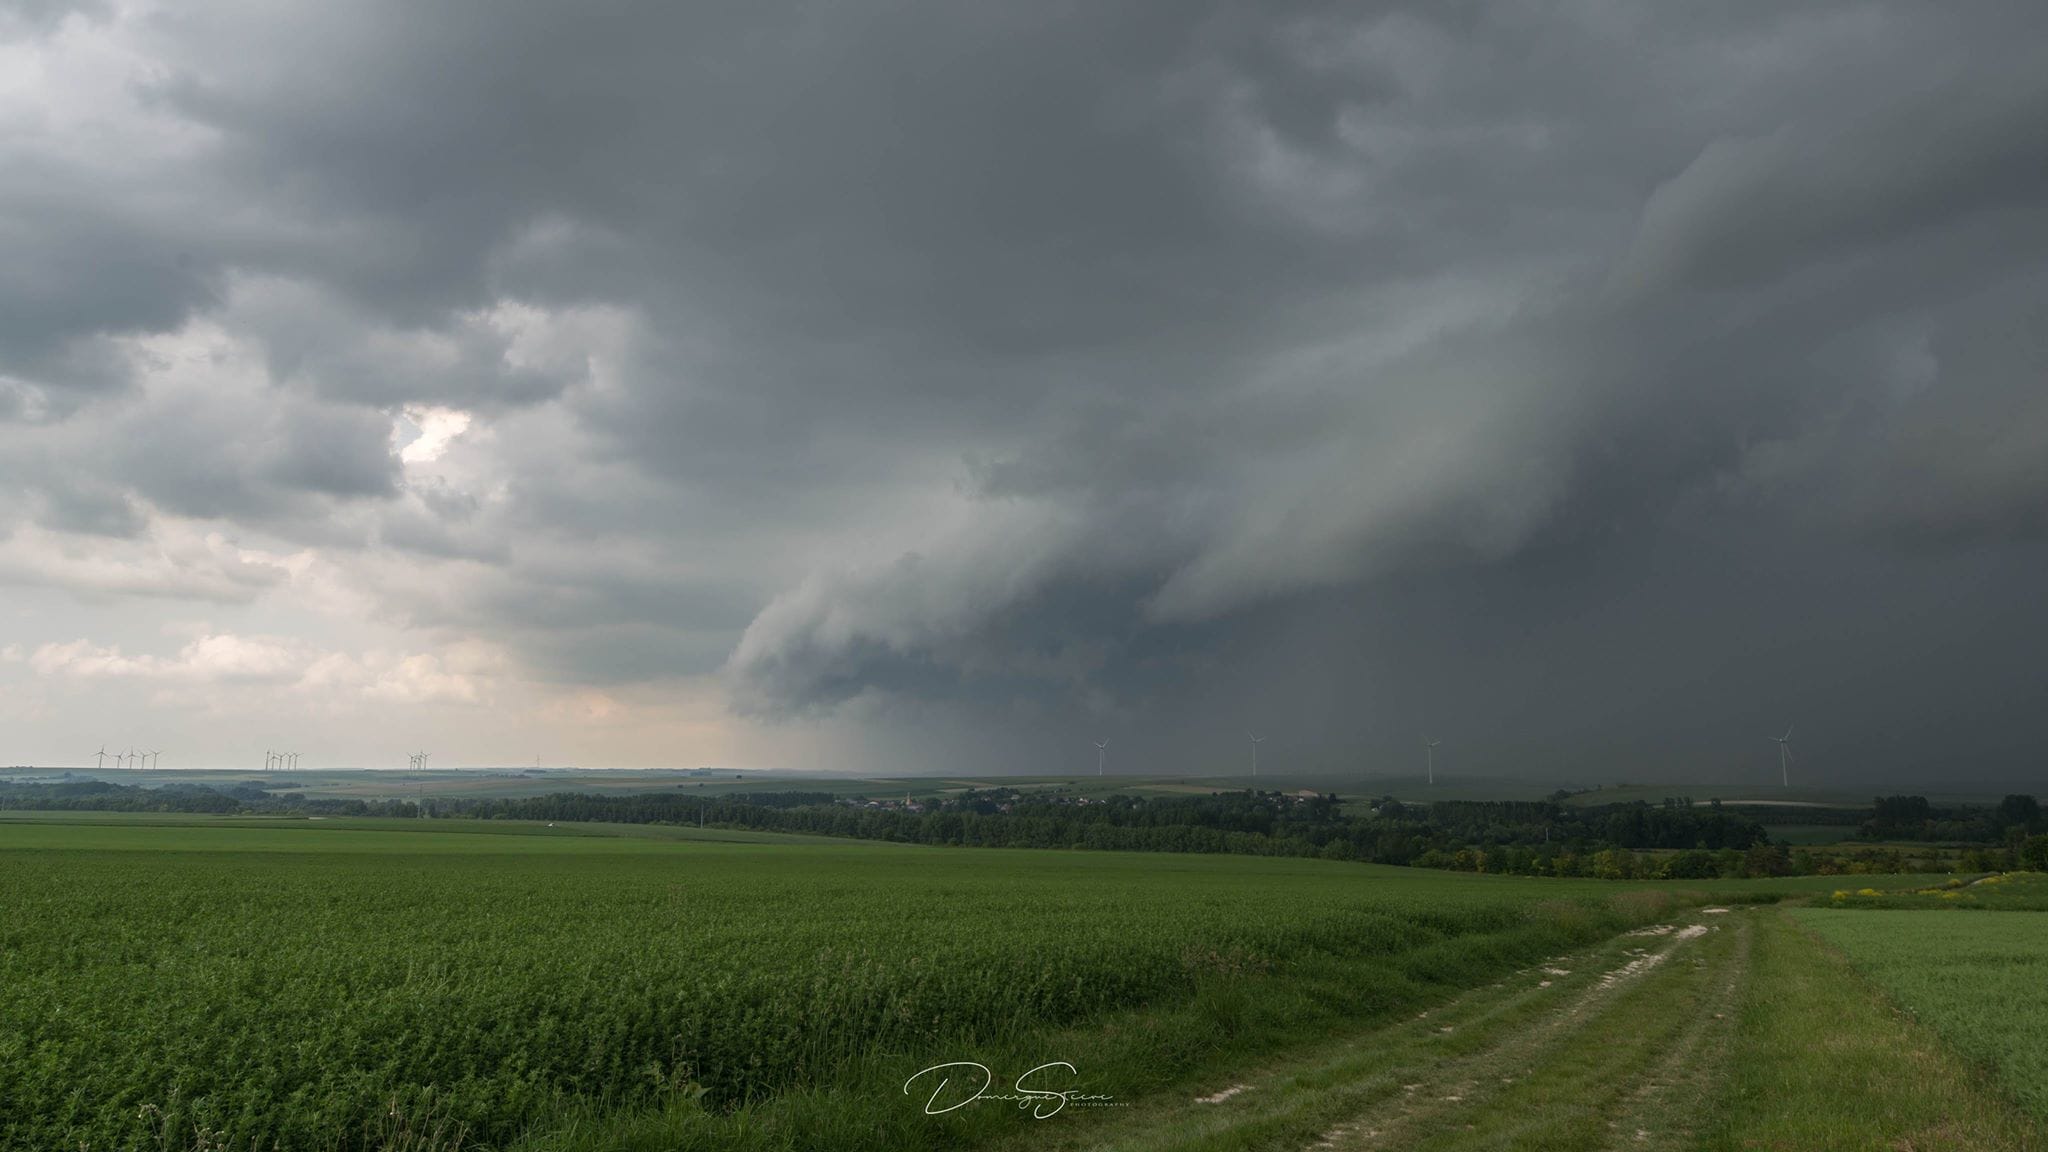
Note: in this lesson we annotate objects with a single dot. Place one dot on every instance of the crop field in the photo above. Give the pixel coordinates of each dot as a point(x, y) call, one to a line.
point(333, 985)
point(244, 984)
point(1979, 981)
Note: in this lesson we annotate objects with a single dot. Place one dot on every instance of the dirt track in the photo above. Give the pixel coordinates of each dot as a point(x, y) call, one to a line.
point(1620, 1058)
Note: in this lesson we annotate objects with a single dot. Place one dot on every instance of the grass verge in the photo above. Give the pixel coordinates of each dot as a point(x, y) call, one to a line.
point(1979, 981)
point(1824, 1062)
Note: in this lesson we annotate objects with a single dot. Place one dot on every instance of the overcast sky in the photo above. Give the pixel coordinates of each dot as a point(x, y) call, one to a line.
point(1598, 387)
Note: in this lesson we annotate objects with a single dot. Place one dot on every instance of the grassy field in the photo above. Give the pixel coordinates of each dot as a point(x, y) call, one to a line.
point(234, 983)
point(261, 833)
point(1728, 1030)
point(1820, 1059)
point(1980, 981)
point(360, 984)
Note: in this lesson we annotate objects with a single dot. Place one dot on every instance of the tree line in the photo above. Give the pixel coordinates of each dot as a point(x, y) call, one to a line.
point(1673, 840)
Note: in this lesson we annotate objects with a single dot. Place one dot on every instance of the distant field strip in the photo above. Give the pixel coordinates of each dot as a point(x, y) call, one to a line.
point(2006, 892)
point(1978, 978)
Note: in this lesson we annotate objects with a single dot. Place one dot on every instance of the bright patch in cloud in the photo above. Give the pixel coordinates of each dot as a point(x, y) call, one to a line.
point(459, 675)
point(432, 430)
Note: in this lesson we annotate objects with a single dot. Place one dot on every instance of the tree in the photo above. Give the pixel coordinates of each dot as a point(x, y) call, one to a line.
point(2019, 812)
point(1767, 860)
point(1693, 865)
point(2035, 853)
point(1893, 817)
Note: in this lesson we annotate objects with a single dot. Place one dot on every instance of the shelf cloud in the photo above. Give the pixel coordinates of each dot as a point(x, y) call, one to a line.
point(914, 386)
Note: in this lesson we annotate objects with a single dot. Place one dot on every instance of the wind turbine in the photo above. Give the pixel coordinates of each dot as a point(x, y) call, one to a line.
point(156, 758)
point(1784, 756)
point(1429, 750)
point(1101, 752)
point(102, 755)
point(1256, 741)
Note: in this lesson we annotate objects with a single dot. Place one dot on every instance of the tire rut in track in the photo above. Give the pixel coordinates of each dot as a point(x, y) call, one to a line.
point(1662, 1112)
point(1632, 1080)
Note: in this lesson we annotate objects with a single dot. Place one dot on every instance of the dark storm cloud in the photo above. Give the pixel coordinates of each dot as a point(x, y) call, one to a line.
point(1752, 209)
point(1065, 362)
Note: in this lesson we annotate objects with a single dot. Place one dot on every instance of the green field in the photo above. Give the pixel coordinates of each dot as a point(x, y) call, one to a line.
point(291, 982)
point(1980, 981)
point(347, 833)
point(1818, 1058)
point(245, 983)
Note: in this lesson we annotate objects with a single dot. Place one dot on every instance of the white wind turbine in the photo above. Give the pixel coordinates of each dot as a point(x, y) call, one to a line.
point(156, 758)
point(1784, 757)
point(1101, 753)
point(1256, 741)
point(102, 757)
point(1429, 749)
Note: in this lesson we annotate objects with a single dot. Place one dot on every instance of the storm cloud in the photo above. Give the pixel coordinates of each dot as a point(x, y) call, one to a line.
point(1598, 386)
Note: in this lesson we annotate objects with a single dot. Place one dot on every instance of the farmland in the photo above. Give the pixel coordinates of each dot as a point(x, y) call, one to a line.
point(335, 986)
point(182, 982)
